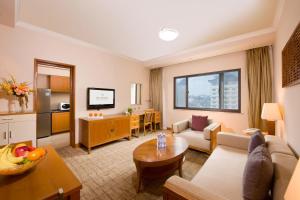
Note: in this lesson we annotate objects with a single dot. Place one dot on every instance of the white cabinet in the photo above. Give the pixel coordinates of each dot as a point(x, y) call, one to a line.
point(17, 128)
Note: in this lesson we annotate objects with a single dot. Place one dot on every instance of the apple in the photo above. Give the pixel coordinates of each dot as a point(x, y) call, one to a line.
point(21, 151)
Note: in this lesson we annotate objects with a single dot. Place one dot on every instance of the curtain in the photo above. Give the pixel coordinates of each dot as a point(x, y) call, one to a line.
point(156, 89)
point(259, 74)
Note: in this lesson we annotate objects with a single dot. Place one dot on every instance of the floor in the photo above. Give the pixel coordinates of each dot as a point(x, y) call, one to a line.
point(109, 172)
point(57, 141)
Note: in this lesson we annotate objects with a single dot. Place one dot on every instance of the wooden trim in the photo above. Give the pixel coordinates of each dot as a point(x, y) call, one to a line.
point(221, 74)
point(72, 91)
point(171, 195)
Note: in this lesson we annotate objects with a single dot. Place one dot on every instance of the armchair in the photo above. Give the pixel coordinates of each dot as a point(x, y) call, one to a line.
point(205, 140)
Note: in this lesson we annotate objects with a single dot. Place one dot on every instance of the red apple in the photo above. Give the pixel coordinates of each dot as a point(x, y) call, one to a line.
point(21, 151)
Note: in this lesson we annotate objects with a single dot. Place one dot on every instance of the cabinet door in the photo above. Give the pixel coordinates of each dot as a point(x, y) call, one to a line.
point(99, 132)
point(22, 131)
point(60, 122)
point(122, 127)
point(3, 134)
point(60, 83)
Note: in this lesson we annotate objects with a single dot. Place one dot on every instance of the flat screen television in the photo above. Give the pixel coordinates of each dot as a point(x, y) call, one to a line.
point(99, 98)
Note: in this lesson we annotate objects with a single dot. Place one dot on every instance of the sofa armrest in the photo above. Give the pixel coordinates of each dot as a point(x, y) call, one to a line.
point(233, 140)
point(177, 188)
point(211, 128)
point(180, 126)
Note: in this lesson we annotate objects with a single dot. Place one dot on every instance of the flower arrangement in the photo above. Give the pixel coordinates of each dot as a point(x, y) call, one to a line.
point(20, 90)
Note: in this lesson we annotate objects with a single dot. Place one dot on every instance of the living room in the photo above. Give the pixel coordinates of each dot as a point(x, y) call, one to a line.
point(177, 53)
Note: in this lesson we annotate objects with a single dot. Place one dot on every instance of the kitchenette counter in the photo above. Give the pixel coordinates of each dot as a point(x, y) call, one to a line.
point(58, 111)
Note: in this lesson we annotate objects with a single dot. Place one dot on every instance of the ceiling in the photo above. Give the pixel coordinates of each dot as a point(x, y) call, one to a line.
point(131, 27)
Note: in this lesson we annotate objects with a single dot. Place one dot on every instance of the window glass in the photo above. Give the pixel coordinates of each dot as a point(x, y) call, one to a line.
point(203, 91)
point(180, 91)
point(231, 90)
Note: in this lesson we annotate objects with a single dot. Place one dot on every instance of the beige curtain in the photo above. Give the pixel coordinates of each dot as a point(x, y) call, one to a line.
point(156, 89)
point(259, 74)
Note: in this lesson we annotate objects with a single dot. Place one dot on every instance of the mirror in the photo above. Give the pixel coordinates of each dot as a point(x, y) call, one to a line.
point(136, 90)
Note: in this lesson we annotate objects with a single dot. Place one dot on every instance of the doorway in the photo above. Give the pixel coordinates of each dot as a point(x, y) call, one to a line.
point(54, 79)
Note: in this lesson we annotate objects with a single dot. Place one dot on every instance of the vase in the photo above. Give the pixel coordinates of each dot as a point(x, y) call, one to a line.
point(22, 104)
point(12, 107)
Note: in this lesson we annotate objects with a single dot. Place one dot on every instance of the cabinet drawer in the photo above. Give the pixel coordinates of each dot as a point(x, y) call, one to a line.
point(15, 118)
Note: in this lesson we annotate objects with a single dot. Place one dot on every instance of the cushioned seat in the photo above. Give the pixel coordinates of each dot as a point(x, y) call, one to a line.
point(195, 139)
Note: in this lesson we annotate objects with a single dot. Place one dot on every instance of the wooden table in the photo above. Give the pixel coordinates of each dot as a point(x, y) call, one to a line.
point(152, 162)
point(42, 182)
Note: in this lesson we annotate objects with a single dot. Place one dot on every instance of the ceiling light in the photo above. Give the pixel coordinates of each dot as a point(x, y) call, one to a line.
point(168, 34)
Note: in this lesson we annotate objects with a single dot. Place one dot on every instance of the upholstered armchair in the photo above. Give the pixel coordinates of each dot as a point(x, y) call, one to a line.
point(205, 140)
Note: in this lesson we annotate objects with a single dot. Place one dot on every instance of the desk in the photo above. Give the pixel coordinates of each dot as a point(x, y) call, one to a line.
point(42, 182)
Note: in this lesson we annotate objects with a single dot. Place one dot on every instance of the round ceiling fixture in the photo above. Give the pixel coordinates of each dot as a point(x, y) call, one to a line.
point(168, 34)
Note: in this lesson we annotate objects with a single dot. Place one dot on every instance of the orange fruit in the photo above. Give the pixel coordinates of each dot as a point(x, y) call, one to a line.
point(34, 155)
point(41, 151)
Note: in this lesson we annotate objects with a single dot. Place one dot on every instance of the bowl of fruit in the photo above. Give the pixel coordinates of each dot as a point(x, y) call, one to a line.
point(18, 158)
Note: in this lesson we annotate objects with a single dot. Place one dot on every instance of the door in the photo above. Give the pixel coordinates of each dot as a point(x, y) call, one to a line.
point(22, 131)
point(3, 134)
point(43, 128)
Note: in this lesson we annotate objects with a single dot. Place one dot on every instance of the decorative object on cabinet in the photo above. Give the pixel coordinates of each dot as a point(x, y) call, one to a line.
point(94, 131)
point(19, 90)
point(17, 128)
point(291, 60)
point(60, 84)
point(129, 110)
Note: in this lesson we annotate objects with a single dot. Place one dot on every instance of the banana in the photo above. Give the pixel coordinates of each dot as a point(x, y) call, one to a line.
point(4, 163)
point(3, 149)
point(11, 158)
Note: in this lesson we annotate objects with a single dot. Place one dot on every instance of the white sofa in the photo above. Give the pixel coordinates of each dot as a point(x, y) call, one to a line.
point(199, 140)
point(221, 177)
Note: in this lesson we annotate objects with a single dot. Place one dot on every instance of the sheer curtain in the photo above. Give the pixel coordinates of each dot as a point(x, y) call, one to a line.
point(259, 74)
point(156, 89)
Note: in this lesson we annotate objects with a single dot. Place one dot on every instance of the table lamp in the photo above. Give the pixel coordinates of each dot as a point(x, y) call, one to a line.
point(292, 191)
point(271, 113)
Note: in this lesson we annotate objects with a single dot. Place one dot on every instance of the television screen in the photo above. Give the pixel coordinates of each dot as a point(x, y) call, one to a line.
point(99, 98)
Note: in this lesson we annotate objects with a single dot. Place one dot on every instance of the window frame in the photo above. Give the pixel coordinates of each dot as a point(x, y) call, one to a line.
point(221, 91)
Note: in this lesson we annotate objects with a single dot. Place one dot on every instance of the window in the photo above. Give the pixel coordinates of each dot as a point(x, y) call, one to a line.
point(218, 91)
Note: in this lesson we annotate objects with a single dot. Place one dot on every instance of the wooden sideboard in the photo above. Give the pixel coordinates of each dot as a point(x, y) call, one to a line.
point(95, 131)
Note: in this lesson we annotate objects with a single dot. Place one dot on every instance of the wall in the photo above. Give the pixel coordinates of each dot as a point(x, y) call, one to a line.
point(230, 121)
point(288, 98)
point(94, 67)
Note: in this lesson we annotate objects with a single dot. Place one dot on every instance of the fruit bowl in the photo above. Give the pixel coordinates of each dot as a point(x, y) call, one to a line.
point(14, 163)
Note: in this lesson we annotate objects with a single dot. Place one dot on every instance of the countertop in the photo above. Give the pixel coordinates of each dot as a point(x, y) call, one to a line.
point(57, 111)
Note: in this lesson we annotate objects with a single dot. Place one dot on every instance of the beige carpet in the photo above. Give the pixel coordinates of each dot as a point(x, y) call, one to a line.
point(109, 171)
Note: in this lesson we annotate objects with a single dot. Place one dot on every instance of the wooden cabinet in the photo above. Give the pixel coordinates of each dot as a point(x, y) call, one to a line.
point(18, 128)
point(60, 84)
point(95, 132)
point(60, 122)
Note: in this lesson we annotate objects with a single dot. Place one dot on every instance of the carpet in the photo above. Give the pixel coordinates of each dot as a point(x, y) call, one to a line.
point(109, 171)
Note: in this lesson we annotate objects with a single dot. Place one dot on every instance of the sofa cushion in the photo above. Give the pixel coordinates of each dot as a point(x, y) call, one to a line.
point(256, 139)
point(195, 139)
point(222, 173)
point(284, 166)
point(258, 174)
point(199, 122)
point(277, 145)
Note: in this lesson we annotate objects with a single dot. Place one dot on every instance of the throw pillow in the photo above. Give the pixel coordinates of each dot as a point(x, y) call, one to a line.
point(199, 122)
point(258, 174)
point(256, 139)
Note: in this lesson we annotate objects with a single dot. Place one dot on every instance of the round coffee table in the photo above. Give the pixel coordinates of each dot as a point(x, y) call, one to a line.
point(152, 162)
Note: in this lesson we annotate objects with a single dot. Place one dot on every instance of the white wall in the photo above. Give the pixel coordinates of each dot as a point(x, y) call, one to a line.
point(230, 121)
point(289, 97)
point(94, 68)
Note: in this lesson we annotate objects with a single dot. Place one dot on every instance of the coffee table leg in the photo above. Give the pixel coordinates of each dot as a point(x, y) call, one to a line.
point(180, 166)
point(139, 177)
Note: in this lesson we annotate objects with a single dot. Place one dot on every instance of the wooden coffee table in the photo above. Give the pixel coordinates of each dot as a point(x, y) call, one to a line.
point(152, 162)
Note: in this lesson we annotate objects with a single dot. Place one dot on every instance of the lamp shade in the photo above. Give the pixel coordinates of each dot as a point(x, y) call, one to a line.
point(271, 112)
point(292, 191)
